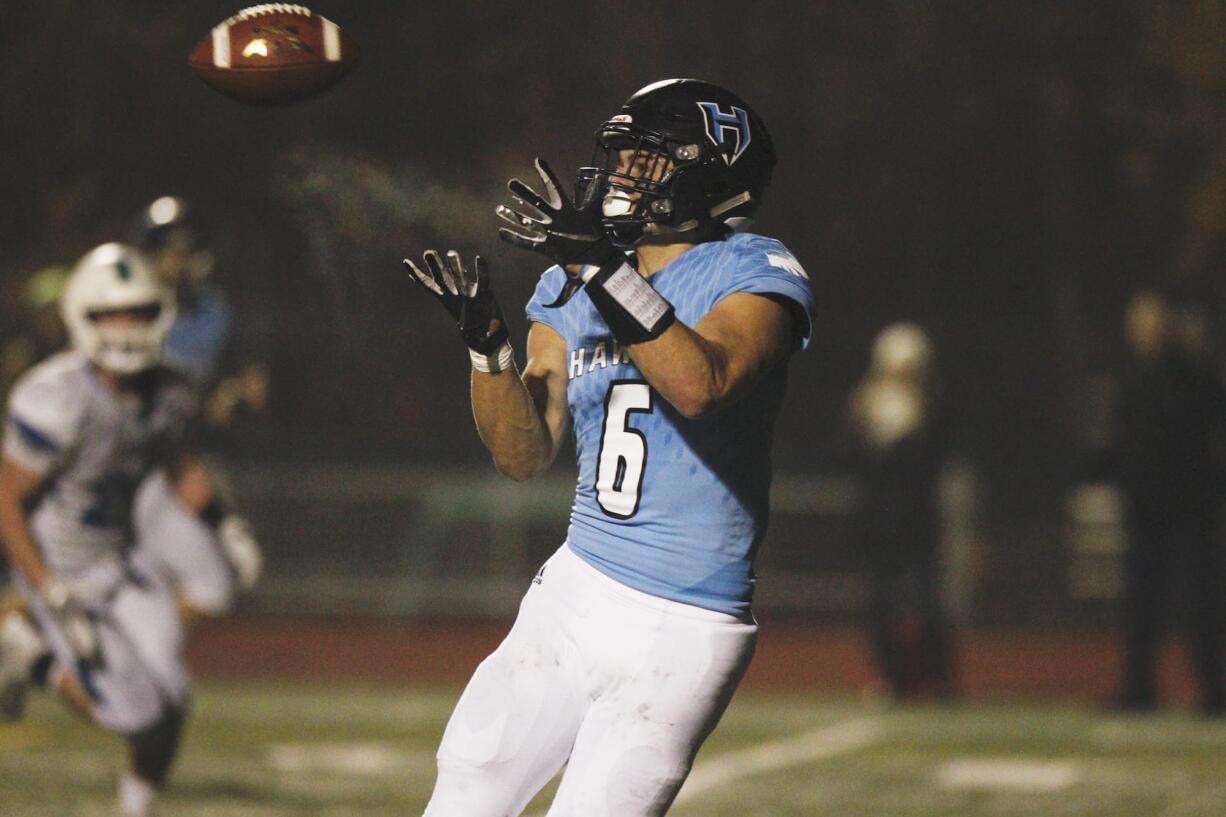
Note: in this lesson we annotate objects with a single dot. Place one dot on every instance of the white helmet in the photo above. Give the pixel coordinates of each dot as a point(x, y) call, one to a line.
point(116, 277)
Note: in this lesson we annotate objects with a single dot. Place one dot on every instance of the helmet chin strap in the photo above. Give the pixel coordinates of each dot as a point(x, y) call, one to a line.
point(653, 229)
point(654, 233)
point(730, 204)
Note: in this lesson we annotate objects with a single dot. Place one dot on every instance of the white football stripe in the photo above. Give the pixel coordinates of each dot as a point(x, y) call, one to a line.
point(788, 264)
point(332, 40)
point(221, 45)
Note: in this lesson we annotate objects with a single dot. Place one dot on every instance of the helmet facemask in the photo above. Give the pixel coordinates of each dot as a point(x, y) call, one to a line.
point(636, 170)
point(114, 280)
point(127, 347)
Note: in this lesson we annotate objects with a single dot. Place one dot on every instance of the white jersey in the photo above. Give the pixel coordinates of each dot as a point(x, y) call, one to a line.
point(94, 446)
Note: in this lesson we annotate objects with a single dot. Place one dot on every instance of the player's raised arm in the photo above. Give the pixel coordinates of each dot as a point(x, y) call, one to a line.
point(521, 420)
point(695, 369)
point(699, 370)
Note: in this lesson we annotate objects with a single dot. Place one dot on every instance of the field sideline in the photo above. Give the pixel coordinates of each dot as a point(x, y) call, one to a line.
point(345, 749)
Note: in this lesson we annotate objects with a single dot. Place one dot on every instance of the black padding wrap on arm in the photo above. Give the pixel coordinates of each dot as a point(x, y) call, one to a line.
point(629, 304)
point(213, 513)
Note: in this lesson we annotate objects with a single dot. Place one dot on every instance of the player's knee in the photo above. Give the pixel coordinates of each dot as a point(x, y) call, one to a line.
point(641, 782)
point(466, 789)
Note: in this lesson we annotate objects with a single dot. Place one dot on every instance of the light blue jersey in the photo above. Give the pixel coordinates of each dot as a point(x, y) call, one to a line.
point(198, 338)
point(671, 506)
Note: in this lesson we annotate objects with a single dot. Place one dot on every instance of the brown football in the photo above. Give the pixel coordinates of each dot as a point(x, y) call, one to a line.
point(273, 54)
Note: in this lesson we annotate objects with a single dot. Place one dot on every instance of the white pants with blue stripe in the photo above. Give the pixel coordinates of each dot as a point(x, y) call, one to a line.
point(142, 672)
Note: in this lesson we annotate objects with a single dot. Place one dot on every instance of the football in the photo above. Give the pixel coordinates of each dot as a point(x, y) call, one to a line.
point(274, 54)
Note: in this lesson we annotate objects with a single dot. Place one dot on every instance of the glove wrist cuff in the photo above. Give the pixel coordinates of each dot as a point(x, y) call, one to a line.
point(630, 305)
point(499, 360)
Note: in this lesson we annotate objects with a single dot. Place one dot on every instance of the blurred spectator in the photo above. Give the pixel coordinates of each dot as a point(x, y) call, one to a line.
point(1169, 459)
point(894, 420)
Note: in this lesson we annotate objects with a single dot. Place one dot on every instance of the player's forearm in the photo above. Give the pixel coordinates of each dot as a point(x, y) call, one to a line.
point(510, 425)
point(19, 547)
point(192, 483)
point(686, 369)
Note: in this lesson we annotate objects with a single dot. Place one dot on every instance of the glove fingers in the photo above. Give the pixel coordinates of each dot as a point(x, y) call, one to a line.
point(467, 285)
point(552, 188)
point(422, 278)
point(528, 242)
point(522, 223)
point(439, 271)
point(483, 274)
point(528, 197)
point(592, 192)
point(526, 209)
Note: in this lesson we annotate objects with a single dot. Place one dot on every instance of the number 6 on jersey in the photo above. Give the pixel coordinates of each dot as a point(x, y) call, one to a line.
point(622, 461)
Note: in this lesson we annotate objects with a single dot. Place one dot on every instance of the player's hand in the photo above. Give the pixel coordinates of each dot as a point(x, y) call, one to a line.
point(467, 296)
point(569, 233)
point(75, 621)
point(241, 549)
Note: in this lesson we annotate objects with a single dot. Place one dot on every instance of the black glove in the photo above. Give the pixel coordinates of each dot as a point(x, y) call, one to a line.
point(570, 234)
point(470, 300)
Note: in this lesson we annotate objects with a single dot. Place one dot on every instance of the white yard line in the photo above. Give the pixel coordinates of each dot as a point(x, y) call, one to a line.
point(818, 744)
point(1008, 774)
point(349, 758)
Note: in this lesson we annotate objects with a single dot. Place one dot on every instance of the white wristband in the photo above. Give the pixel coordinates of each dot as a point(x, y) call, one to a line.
point(637, 296)
point(500, 361)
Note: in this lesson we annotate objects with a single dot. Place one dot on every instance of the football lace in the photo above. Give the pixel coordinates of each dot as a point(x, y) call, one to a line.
point(268, 8)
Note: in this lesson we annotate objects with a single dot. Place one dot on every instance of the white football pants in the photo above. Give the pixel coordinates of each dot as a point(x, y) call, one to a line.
point(142, 671)
point(620, 685)
point(181, 547)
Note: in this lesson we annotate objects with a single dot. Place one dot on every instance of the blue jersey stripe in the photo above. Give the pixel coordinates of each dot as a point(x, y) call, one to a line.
point(33, 437)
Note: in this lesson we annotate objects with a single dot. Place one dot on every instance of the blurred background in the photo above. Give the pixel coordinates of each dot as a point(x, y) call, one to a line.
point(1003, 175)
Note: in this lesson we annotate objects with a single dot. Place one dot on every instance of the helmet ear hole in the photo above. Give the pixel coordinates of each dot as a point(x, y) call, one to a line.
point(686, 153)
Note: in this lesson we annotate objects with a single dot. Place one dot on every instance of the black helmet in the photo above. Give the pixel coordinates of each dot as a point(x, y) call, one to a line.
point(700, 156)
point(170, 229)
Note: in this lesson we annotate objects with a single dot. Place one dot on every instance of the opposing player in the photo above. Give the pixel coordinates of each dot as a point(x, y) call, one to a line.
point(83, 428)
point(663, 334)
point(207, 552)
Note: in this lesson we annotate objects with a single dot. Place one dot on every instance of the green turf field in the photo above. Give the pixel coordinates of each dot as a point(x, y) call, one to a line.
point(298, 750)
